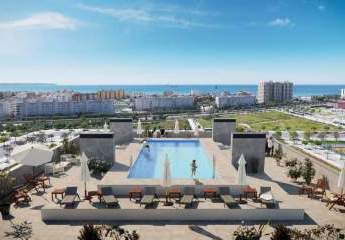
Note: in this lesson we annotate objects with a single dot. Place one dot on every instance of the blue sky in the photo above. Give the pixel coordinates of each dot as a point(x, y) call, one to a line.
point(172, 42)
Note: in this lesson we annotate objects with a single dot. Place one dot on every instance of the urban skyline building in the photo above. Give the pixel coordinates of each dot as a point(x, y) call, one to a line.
point(274, 92)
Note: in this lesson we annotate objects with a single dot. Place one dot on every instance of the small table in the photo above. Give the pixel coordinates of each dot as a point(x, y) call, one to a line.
point(135, 193)
point(250, 192)
point(210, 193)
point(92, 194)
point(58, 191)
point(175, 193)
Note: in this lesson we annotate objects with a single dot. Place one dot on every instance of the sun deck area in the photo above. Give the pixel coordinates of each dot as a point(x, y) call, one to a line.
point(211, 215)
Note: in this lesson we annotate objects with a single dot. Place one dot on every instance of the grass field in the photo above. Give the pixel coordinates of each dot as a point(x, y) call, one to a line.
point(276, 121)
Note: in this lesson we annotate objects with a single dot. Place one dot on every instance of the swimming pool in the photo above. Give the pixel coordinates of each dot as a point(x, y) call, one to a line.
point(149, 163)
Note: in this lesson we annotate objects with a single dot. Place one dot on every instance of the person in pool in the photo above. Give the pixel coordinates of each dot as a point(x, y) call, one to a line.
point(146, 145)
point(194, 166)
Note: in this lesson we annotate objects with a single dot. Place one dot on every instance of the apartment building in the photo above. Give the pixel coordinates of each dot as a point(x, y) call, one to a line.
point(154, 103)
point(274, 92)
point(235, 100)
point(111, 94)
point(30, 108)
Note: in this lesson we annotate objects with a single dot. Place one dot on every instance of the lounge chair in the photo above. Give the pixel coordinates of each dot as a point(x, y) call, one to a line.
point(149, 196)
point(108, 197)
point(71, 193)
point(188, 196)
point(224, 193)
point(266, 197)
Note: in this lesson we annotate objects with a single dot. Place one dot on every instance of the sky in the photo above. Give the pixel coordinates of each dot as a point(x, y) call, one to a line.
point(172, 42)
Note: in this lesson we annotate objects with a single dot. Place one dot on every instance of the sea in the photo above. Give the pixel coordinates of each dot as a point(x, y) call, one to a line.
point(299, 90)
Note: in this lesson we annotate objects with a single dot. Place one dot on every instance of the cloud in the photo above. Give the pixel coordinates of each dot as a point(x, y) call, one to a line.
point(168, 17)
point(321, 7)
point(281, 22)
point(44, 20)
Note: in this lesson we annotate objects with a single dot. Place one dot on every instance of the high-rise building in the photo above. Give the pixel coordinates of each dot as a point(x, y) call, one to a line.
point(342, 93)
point(278, 92)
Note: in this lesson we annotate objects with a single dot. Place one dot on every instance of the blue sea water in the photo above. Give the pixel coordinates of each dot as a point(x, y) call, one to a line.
point(299, 90)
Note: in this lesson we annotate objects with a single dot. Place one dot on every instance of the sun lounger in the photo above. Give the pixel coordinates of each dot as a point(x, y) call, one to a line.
point(266, 197)
point(188, 196)
point(108, 197)
point(149, 195)
point(226, 197)
point(71, 193)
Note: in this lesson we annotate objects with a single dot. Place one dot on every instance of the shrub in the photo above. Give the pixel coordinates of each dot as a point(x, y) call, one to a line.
point(90, 232)
point(308, 171)
point(98, 166)
point(281, 233)
point(291, 163)
point(248, 233)
point(22, 231)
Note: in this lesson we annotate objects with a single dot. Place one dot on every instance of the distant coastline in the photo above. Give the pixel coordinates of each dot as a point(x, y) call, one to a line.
point(299, 90)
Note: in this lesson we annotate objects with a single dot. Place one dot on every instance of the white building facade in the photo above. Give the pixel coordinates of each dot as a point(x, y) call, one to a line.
point(152, 103)
point(31, 108)
point(236, 100)
point(342, 93)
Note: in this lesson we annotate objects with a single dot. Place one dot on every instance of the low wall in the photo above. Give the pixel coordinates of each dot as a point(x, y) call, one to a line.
point(132, 215)
point(183, 134)
point(321, 167)
point(122, 190)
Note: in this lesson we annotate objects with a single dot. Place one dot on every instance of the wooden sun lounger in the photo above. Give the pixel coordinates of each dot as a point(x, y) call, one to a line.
point(225, 196)
point(188, 196)
point(108, 196)
point(149, 196)
point(71, 193)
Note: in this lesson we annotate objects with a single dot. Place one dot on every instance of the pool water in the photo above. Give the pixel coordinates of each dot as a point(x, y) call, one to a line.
point(150, 162)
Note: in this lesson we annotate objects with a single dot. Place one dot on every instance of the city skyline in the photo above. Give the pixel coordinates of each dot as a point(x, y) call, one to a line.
point(155, 42)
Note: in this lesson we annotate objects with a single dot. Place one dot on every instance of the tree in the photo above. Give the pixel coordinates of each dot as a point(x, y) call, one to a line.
point(307, 135)
point(336, 136)
point(308, 171)
point(322, 136)
point(293, 136)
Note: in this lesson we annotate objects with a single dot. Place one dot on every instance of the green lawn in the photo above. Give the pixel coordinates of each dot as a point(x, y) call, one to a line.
point(276, 121)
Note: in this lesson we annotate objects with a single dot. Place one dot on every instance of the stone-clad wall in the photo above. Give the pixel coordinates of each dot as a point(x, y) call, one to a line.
point(252, 145)
point(222, 130)
point(122, 129)
point(98, 145)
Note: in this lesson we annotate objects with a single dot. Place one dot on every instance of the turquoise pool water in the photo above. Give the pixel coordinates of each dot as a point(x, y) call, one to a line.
point(149, 163)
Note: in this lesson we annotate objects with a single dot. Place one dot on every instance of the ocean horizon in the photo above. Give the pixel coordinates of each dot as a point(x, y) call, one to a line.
point(299, 89)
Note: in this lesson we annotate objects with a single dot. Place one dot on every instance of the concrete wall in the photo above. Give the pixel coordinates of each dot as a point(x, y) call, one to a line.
point(122, 190)
point(98, 145)
point(322, 168)
point(122, 129)
point(182, 215)
point(222, 130)
point(252, 146)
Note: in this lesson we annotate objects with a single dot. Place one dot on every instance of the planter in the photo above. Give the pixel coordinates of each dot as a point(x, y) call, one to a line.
point(5, 210)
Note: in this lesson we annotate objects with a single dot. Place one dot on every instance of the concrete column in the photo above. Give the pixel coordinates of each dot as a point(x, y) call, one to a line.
point(98, 145)
point(252, 146)
point(122, 129)
point(222, 130)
